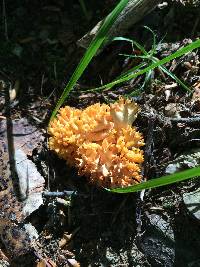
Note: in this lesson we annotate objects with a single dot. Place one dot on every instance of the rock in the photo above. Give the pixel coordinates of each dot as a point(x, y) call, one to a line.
point(124, 257)
point(31, 183)
point(192, 202)
point(4, 263)
point(190, 159)
point(157, 242)
point(161, 225)
point(172, 110)
point(17, 140)
point(194, 263)
point(195, 3)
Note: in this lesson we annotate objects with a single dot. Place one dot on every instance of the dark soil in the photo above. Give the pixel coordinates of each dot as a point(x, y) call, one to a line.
point(38, 53)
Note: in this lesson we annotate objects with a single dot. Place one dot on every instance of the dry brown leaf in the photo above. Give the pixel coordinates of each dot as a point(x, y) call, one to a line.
point(196, 94)
point(73, 262)
point(46, 263)
point(65, 239)
point(13, 91)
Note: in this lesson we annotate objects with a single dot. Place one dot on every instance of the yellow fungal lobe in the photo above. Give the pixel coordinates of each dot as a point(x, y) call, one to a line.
point(101, 142)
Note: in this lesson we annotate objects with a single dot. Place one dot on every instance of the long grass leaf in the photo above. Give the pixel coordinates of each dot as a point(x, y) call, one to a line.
point(154, 40)
point(132, 42)
point(84, 9)
point(174, 77)
point(165, 70)
point(179, 53)
point(91, 51)
point(161, 181)
point(135, 68)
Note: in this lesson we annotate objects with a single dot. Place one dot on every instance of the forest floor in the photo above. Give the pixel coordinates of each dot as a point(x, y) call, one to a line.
point(69, 221)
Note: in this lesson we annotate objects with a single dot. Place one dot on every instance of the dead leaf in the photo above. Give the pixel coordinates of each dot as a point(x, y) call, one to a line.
point(13, 91)
point(172, 110)
point(196, 94)
point(3, 256)
point(46, 263)
point(65, 239)
point(73, 262)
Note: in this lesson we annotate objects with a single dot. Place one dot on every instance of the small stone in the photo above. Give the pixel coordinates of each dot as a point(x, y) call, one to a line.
point(190, 159)
point(4, 263)
point(157, 242)
point(192, 201)
point(172, 110)
point(17, 51)
point(172, 168)
point(31, 183)
point(162, 225)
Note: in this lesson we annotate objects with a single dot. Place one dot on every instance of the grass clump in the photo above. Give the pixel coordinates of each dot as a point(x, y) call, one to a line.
point(149, 62)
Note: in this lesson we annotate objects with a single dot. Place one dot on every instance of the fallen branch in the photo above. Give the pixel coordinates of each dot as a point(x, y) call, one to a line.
point(133, 12)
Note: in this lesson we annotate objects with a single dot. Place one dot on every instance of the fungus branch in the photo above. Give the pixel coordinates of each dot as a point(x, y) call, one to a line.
point(100, 142)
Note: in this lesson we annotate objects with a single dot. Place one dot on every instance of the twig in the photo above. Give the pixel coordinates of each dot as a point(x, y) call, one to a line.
point(186, 120)
point(2, 117)
point(118, 211)
point(59, 194)
point(4, 18)
point(132, 13)
point(41, 86)
point(195, 26)
point(147, 160)
point(149, 144)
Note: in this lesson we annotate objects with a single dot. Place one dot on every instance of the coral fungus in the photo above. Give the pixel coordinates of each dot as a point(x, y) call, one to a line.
point(101, 142)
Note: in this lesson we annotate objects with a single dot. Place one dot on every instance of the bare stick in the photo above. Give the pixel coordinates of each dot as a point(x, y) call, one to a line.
point(4, 18)
point(133, 12)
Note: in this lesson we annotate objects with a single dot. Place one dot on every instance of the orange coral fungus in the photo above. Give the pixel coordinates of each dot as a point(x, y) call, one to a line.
point(100, 142)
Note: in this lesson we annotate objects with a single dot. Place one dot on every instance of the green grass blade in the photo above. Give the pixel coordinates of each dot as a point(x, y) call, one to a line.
point(119, 38)
point(174, 77)
point(165, 70)
point(161, 181)
point(84, 9)
point(147, 78)
point(136, 92)
point(153, 50)
point(140, 47)
point(179, 53)
point(126, 73)
point(91, 51)
point(134, 56)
